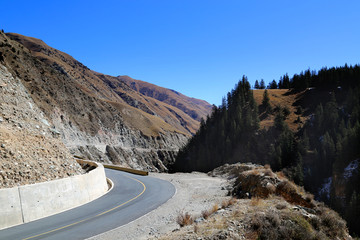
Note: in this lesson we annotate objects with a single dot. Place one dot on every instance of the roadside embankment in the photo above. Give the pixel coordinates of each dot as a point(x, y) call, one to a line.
point(30, 202)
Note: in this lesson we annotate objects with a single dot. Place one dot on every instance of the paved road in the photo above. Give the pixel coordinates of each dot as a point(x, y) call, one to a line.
point(132, 197)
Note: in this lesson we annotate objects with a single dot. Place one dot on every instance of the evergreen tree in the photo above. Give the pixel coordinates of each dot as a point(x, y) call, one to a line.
point(273, 85)
point(262, 84)
point(257, 85)
point(266, 102)
point(286, 81)
point(225, 131)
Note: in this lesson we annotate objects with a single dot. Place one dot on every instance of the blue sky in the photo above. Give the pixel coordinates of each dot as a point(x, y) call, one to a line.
point(199, 48)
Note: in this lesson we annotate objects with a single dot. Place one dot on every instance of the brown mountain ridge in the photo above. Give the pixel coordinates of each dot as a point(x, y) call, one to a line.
point(114, 119)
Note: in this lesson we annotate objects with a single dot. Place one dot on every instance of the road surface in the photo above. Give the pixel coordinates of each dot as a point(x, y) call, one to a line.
point(132, 197)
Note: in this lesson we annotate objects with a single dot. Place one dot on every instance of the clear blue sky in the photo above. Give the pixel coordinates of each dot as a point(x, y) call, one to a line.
point(200, 48)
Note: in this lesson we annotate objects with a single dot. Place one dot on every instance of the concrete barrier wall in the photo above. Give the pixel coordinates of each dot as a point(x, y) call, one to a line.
point(30, 202)
point(10, 207)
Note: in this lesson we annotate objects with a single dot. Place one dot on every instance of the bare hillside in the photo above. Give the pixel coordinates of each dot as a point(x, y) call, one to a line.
point(99, 116)
point(30, 148)
point(282, 98)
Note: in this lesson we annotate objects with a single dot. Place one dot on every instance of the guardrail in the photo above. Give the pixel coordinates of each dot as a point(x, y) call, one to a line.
point(81, 159)
point(130, 170)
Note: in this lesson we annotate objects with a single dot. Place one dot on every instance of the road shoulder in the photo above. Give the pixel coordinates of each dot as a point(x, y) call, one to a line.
point(195, 192)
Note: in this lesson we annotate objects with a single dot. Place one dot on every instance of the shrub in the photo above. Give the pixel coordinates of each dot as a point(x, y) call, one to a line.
point(205, 214)
point(286, 112)
point(299, 110)
point(333, 224)
point(184, 219)
point(228, 202)
point(255, 201)
point(215, 208)
point(274, 225)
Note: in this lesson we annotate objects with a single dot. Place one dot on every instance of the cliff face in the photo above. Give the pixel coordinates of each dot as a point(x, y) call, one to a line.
point(98, 116)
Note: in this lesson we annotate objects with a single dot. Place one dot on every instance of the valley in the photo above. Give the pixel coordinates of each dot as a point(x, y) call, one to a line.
point(237, 167)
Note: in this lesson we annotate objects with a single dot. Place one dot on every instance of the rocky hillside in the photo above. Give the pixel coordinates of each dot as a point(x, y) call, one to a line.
point(102, 117)
point(267, 206)
point(30, 148)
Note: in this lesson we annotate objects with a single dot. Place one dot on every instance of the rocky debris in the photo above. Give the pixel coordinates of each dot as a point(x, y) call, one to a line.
point(29, 153)
point(253, 180)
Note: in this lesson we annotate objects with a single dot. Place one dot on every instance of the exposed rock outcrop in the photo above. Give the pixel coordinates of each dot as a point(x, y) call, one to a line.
point(30, 148)
point(251, 180)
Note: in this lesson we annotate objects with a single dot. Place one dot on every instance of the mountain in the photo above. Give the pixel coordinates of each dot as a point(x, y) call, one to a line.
point(102, 117)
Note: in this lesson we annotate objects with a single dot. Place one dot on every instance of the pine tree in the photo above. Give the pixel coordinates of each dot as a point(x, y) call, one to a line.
point(266, 102)
point(257, 85)
point(262, 84)
point(273, 85)
point(286, 81)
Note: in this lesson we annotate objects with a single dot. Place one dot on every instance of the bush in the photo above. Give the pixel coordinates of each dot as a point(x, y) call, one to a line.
point(184, 219)
point(205, 214)
point(299, 110)
point(333, 224)
point(286, 112)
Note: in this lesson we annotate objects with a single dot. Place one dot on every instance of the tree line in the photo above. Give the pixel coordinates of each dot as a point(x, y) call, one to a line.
point(327, 143)
point(324, 78)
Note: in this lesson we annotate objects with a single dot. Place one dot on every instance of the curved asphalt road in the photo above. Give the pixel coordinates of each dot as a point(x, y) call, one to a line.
point(132, 197)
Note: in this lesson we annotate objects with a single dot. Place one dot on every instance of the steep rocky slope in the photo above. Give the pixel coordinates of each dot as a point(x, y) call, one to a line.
point(99, 116)
point(30, 148)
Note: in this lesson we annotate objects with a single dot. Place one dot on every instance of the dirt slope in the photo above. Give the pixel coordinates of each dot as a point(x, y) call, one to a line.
point(30, 148)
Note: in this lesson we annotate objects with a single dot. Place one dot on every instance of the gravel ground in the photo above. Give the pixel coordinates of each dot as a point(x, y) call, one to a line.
point(195, 192)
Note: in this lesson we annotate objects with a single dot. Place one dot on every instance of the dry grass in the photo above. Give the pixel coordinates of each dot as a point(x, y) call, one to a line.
point(214, 208)
point(269, 218)
point(205, 214)
point(280, 97)
point(184, 219)
point(224, 204)
point(228, 202)
point(196, 228)
point(281, 175)
point(268, 172)
point(289, 187)
point(255, 201)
